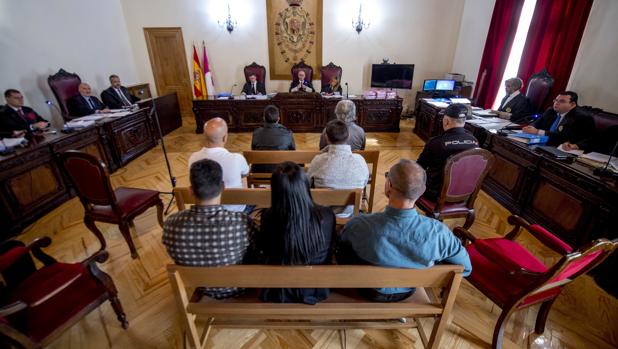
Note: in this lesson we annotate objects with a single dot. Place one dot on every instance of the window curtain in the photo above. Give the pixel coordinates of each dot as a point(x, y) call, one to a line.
point(553, 40)
point(502, 28)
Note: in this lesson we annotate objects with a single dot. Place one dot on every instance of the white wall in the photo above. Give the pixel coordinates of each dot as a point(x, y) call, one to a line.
point(420, 32)
point(595, 75)
point(475, 22)
point(37, 38)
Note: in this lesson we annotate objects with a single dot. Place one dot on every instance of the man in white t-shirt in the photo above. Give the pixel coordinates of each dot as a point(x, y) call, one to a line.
point(234, 165)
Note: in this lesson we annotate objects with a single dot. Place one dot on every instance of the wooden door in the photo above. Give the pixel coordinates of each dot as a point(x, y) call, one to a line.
point(166, 49)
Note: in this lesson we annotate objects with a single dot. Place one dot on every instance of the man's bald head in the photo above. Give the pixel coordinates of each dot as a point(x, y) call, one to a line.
point(407, 178)
point(215, 131)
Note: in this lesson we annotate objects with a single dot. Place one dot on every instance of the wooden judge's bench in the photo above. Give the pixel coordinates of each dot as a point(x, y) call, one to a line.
point(300, 112)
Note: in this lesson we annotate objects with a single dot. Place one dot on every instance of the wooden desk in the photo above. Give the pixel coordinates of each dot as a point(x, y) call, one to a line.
point(32, 182)
point(168, 110)
point(301, 112)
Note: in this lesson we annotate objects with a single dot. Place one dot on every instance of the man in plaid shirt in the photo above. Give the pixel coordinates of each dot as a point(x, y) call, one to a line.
point(207, 234)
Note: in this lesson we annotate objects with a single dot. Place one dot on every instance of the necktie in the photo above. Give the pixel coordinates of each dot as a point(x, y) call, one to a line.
point(123, 98)
point(503, 102)
point(21, 114)
point(90, 104)
point(554, 126)
point(254, 90)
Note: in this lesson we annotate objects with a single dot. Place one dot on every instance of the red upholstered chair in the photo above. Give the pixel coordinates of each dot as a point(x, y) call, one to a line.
point(328, 72)
point(38, 305)
point(539, 85)
point(463, 176)
point(258, 70)
point(514, 279)
point(302, 66)
point(64, 86)
point(101, 202)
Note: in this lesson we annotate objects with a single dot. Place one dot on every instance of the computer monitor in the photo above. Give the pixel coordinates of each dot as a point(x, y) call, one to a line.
point(429, 85)
point(445, 85)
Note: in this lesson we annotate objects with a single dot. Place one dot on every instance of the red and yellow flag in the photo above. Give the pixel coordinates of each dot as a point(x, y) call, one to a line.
point(199, 88)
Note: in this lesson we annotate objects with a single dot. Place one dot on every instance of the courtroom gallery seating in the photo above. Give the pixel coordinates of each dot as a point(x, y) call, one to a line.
point(101, 202)
point(38, 305)
point(64, 86)
point(513, 278)
point(463, 176)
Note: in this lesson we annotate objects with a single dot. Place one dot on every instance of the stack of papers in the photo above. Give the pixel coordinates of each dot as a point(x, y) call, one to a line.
point(599, 160)
point(77, 123)
point(461, 100)
point(437, 104)
point(484, 113)
point(574, 152)
point(14, 142)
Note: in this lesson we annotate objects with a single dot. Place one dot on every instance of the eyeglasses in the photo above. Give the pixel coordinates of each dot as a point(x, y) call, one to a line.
point(386, 174)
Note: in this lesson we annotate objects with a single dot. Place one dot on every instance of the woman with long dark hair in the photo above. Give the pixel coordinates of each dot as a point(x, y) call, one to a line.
point(295, 231)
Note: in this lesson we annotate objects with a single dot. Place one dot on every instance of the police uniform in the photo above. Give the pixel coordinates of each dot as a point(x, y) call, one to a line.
point(437, 150)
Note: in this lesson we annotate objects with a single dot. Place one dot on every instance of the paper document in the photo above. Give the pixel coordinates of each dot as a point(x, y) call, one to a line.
point(91, 117)
point(80, 123)
point(13, 142)
point(461, 100)
point(577, 152)
point(484, 113)
point(117, 114)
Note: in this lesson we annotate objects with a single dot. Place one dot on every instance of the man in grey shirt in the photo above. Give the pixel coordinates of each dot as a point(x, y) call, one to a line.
point(346, 112)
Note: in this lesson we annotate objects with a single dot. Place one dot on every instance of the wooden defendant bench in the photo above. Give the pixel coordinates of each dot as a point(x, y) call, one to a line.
point(343, 309)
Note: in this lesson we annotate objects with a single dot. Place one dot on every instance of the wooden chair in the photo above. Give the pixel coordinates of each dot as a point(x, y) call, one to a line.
point(513, 278)
point(101, 202)
point(343, 309)
point(304, 157)
point(463, 176)
point(64, 85)
point(258, 70)
point(328, 72)
point(38, 305)
point(261, 197)
point(539, 86)
point(304, 67)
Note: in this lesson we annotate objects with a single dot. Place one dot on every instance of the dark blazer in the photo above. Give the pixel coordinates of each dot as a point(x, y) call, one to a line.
point(79, 107)
point(519, 107)
point(575, 127)
point(261, 88)
point(112, 100)
point(306, 83)
point(603, 142)
point(329, 89)
point(11, 121)
point(271, 137)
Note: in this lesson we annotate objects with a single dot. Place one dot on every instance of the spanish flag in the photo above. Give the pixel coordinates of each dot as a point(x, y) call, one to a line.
point(199, 88)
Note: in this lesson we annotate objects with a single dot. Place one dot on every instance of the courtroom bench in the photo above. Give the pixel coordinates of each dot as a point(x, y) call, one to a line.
point(343, 309)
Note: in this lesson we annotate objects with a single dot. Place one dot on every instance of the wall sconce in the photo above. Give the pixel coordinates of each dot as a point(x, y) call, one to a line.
point(359, 24)
point(229, 23)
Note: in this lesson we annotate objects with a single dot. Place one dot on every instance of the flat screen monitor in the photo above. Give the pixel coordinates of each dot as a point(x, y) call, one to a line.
point(445, 85)
point(429, 85)
point(392, 75)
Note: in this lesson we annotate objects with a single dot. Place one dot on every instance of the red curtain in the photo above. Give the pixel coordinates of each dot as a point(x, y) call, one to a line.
point(553, 40)
point(497, 49)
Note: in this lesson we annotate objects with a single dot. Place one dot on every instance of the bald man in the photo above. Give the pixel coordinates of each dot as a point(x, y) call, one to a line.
point(234, 165)
point(400, 237)
point(84, 103)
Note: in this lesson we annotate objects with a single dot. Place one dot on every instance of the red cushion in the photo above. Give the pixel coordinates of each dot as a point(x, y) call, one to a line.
point(39, 321)
point(510, 255)
point(11, 256)
point(130, 200)
point(430, 205)
point(494, 281)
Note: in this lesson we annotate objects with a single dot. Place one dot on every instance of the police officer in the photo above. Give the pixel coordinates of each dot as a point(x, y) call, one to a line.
point(455, 139)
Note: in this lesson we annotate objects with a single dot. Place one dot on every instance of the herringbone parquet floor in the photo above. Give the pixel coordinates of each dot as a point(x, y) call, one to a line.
point(583, 317)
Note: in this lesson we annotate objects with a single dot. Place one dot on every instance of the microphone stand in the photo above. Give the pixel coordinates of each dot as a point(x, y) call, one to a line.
point(347, 96)
point(153, 112)
point(232, 89)
point(604, 172)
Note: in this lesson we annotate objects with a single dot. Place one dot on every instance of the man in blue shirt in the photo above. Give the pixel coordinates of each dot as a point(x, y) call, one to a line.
point(400, 237)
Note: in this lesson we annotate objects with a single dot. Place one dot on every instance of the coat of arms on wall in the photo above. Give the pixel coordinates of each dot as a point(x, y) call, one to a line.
point(294, 35)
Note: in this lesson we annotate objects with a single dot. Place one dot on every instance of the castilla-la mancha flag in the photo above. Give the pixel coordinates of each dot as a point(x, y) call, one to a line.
point(210, 86)
point(199, 88)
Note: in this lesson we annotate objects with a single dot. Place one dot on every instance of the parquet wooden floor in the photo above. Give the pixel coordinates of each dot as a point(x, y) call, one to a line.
point(583, 317)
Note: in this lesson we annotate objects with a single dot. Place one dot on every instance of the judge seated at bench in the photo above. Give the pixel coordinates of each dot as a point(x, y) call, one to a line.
point(84, 103)
point(253, 87)
point(117, 96)
point(301, 84)
point(333, 87)
point(563, 122)
point(514, 106)
point(15, 119)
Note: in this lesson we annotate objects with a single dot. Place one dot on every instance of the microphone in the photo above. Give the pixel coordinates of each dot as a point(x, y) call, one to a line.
point(604, 172)
point(347, 96)
point(51, 104)
point(232, 89)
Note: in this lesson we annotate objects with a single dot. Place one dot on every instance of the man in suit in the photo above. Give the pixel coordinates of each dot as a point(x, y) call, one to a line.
point(117, 96)
point(85, 104)
point(301, 84)
point(564, 122)
point(253, 87)
point(15, 119)
point(514, 106)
